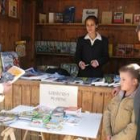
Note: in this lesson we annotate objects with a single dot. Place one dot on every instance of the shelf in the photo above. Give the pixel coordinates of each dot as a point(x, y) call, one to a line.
point(56, 54)
point(72, 55)
point(82, 24)
point(119, 57)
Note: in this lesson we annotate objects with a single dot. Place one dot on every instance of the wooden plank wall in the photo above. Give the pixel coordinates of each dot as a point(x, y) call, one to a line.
point(93, 99)
point(9, 32)
point(119, 34)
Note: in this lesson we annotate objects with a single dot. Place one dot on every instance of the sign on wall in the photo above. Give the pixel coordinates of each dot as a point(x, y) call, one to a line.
point(58, 95)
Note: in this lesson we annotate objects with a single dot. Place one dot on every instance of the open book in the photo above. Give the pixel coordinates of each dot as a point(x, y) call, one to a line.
point(12, 74)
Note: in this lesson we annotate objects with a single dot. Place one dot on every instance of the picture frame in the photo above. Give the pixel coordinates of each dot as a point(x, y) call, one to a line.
point(89, 12)
point(136, 18)
point(118, 17)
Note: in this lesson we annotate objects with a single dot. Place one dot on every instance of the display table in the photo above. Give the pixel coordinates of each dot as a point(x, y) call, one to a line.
point(90, 98)
point(88, 127)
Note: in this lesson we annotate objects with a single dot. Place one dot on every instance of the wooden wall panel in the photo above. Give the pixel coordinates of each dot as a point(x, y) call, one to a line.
point(9, 32)
point(90, 98)
point(115, 34)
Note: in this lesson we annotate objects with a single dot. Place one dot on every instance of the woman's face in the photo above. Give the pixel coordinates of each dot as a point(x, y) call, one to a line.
point(91, 26)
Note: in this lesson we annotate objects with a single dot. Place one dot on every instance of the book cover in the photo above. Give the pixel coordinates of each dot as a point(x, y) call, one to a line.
point(58, 17)
point(9, 59)
point(136, 18)
point(106, 17)
point(118, 17)
point(89, 12)
point(128, 18)
point(69, 15)
point(42, 18)
point(12, 8)
point(51, 17)
point(12, 74)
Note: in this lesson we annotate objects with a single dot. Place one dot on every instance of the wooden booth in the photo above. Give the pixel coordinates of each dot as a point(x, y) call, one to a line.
point(90, 98)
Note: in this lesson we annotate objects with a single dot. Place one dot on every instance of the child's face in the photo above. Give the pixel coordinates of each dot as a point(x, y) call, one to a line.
point(128, 83)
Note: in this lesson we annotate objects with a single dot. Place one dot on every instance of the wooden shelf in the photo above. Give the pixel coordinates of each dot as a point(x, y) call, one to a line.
point(56, 54)
point(120, 57)
point(72, 55)
point(82, 24)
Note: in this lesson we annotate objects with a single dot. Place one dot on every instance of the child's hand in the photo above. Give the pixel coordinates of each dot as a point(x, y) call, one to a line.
point(108, 138)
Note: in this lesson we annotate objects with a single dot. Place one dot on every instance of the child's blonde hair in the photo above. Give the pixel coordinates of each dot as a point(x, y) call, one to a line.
point(133, 69)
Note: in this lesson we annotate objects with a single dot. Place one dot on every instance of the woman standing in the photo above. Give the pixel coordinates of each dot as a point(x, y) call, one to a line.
point(92, 50)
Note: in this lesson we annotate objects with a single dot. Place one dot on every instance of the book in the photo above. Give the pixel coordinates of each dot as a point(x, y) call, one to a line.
point(58, 17)
point(42, 18)
point(69, 15)
point(31, 74)
point(72, 110)
point(12, 8)
point(118, 17)
point(51, 17)
point(89, 12)
point(13, 74)
point(106, 17)
point(128, 18)
point(136, 18)
point(9, 59)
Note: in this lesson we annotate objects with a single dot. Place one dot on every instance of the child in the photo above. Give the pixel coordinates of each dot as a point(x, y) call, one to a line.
point(119, 117)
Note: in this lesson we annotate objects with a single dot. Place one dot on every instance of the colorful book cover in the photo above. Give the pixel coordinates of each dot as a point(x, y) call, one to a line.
point(13, 74)
point(69, 15)
point(16, 72)
point(118, 17)
point(9, 59)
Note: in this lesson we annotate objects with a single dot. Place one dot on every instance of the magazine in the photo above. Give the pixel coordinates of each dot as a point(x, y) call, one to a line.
point(13, 74)
point(31, 74)
point(9, 59)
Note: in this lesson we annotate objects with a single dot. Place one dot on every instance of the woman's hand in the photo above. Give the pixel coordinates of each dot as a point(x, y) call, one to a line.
point(82, 65)
point(94, 63)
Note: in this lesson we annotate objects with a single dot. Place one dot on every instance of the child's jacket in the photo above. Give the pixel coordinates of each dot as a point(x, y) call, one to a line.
point(119, 118)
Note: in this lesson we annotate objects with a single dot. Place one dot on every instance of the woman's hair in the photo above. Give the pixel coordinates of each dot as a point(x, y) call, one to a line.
point(93, 18)
point(133, 69)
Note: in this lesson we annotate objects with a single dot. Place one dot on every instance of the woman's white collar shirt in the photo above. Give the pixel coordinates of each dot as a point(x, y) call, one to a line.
point(93, 40)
